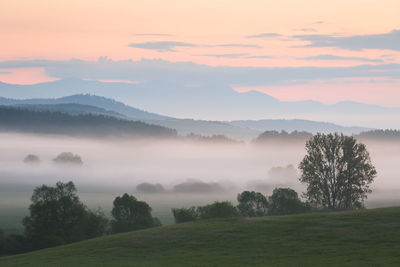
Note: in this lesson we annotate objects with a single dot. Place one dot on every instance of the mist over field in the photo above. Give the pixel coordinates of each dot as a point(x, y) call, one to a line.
point(165, 173)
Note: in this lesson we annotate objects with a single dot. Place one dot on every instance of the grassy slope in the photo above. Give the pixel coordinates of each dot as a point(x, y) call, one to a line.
point(358, 238)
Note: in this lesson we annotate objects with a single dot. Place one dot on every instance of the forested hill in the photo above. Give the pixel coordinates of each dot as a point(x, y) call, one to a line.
point(14, 119)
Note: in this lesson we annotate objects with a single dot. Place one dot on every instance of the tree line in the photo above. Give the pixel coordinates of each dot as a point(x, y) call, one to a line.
point(23, 120)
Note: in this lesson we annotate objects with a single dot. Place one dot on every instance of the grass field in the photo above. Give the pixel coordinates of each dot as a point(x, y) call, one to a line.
point(356, 238)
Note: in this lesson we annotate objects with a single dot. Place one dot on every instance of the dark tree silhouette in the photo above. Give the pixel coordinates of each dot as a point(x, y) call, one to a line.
point(285, 201)
point(58, 217)
point(130, 214)
point(185, 214)
point(337, 170)
point(252, 204)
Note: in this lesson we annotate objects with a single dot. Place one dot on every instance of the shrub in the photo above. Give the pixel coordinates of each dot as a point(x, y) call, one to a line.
point(217, 210)
point(130, 214)
point(185, 214)
point(285, 201)
point(252, 204)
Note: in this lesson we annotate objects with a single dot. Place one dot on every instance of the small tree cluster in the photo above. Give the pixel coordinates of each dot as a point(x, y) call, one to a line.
point(215, 210)
point(57, 216)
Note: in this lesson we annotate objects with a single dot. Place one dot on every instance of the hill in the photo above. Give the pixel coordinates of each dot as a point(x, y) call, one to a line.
point(106, 104)
point(355, 238)
point(241, 130)
point(14, 119)
point(208, 100)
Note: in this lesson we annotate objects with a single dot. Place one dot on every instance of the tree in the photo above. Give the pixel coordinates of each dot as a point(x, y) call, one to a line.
point(285, 201)
point(2, 242)
point(130, 214)
point(68, 158)
point(217, 210)
point(338, 171)
point(58, 217)
point(32, 159)
point(185, 214)
point(252, 204)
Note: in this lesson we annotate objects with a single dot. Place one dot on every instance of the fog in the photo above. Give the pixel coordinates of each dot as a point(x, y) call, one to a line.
point(166, 174)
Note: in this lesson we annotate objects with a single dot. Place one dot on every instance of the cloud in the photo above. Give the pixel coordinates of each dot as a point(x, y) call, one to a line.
point(260, 57)
point(233, 55)
point(333, 57)
point(264, 35)
point(318, 22)
point(239, 45)
point(152, 34)
point(163, 71)
point(162, 46)
point(389, 41)
point(306, 30)
point(5, 72)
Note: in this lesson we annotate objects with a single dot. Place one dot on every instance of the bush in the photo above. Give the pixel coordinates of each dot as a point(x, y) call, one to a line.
point(252, 204)
point(96, 224)
point(285, 201)
point(130, 214)
point(185, 215)
point(15, 244)
point(2, 242)
point(217, 210)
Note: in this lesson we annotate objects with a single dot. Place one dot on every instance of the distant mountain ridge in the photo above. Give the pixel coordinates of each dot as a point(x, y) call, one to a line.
point(106, 104)
point(210, 100)
point(241, 130)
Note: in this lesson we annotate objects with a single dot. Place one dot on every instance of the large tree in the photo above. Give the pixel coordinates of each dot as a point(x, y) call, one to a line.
point(338, 171)
point(57, 216)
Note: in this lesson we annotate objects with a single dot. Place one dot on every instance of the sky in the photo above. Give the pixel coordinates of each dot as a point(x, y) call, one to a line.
point(41, 38)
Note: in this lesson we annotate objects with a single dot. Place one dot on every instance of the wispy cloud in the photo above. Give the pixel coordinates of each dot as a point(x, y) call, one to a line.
point(192, 73)
point(233, 55)
point(388, 41)
point(239, 45)
point(306, 30)
point(5, 72)
point(264, 35)
point(162, 46)
point(260, 57)
point(152, 34)
point(318, 22)
point(333, 57)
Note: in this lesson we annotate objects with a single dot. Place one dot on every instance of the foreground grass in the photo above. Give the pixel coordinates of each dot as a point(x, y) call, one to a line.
point(357, 238)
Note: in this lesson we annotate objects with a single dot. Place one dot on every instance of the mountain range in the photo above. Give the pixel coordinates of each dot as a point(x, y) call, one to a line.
point(243, 130)
point(210, 102)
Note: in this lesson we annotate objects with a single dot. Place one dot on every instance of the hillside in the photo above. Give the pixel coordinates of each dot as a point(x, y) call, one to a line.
point(14, 119)
point(356, 238)
point(89, 101)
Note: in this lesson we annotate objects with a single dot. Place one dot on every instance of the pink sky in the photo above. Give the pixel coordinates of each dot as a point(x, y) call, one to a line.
point(88, 29)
